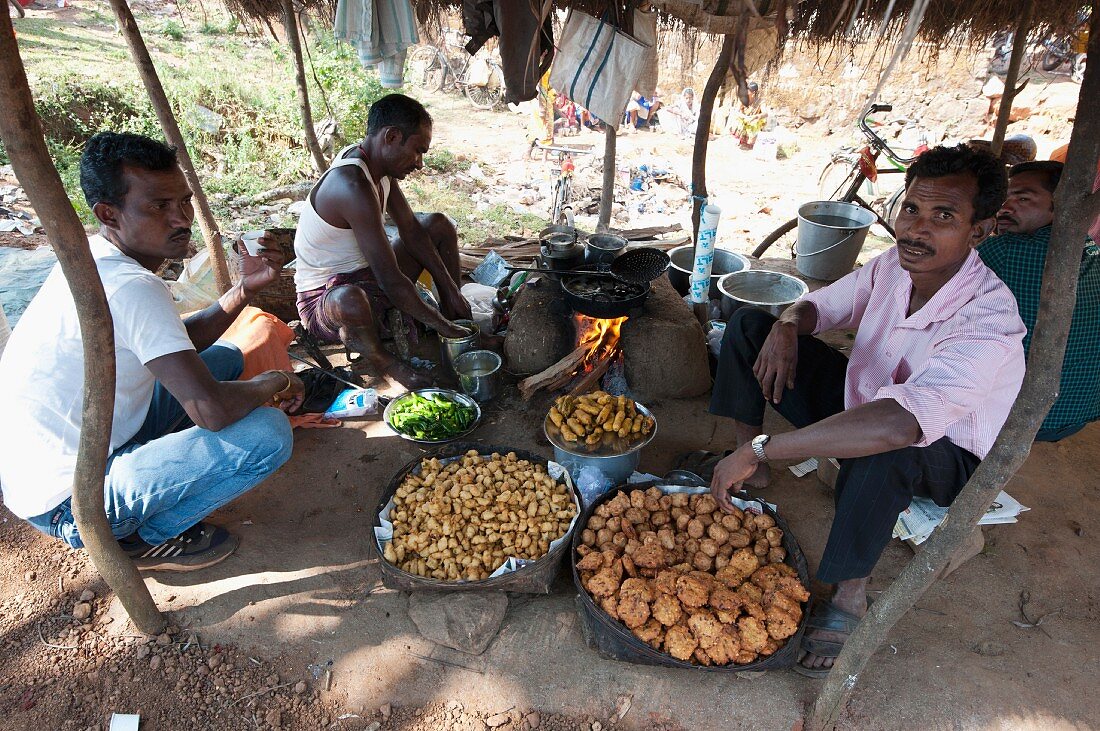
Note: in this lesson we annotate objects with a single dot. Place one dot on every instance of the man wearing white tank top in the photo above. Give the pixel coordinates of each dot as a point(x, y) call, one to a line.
point(349, 272)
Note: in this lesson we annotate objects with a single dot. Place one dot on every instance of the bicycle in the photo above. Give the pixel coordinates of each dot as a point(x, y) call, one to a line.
point(858, 169)
point(480, 79)
point(20, 12)
point(561, 203)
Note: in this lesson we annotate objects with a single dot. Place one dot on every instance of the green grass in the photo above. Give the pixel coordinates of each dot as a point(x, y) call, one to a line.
point(83, 81)
point(429, 193)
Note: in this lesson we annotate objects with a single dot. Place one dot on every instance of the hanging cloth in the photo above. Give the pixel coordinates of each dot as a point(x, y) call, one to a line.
point(381, 31)
point(516, 22)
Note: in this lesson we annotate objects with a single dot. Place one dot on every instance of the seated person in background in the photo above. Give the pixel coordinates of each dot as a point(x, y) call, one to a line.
point(685, 114)
point(1017, 254)
point(187, 436)
point(747, 121)
point(935, 367)
point(640, 111)
point(349, 272)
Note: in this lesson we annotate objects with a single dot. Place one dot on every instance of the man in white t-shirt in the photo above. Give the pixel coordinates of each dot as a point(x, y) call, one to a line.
point(187, 437)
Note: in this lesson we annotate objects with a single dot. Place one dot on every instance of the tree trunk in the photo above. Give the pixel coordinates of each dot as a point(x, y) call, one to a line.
point(290, 23)
point(20, 129)
point(1075, 207)
point(607, 195)
point(159, 100)
point(1019, 41)
point(702, 133)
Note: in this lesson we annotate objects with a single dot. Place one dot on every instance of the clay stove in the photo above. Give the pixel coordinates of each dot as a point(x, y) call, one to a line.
point(660, 345)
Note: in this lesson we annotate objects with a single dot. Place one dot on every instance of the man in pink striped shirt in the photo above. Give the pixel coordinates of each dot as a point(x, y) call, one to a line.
point(936, 365)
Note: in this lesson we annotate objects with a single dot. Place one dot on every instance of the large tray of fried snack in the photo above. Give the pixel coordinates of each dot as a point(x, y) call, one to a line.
point(661, 583)
point(512, 557)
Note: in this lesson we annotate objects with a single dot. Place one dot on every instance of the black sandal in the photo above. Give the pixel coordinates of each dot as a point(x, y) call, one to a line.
point(825, 617)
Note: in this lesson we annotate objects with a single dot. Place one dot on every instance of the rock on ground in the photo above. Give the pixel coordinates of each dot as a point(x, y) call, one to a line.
point(464, 621)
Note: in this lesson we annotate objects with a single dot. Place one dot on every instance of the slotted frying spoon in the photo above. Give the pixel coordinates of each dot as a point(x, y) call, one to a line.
point(636, 266)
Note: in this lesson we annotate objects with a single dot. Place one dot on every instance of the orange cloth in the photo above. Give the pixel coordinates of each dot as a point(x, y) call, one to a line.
point(263, 340)
point(1059, 155)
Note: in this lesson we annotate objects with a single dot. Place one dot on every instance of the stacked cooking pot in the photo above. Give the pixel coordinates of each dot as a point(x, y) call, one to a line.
point(591, 292)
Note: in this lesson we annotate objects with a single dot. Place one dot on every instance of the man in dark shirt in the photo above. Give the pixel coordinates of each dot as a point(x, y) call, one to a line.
point(1017, 254)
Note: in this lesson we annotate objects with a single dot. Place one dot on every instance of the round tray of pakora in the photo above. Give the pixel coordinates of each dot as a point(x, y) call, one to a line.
point(648, 597)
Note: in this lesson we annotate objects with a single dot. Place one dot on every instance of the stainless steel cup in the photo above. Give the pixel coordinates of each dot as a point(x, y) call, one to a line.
point(451, 348)
point(479, 373)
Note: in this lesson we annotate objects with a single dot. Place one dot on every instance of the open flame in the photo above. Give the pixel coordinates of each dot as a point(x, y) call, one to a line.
point(600, 337)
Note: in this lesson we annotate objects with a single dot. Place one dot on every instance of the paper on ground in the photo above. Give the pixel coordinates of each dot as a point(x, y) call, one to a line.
point(923, 515)
point(804, 468)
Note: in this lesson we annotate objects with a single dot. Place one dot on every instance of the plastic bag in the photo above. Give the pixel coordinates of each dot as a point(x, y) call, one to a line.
point(481, 299)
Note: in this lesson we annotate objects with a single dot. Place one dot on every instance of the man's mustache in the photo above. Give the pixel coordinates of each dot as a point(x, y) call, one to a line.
point(181, 232)
point(910, 244)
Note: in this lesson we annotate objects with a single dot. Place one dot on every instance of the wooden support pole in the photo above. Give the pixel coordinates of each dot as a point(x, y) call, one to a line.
point(21, 131)
point(1019, 43)
point(163, 108)
point(1075, 207)
point(702, 133)
point(607, 194)
point(290, 24)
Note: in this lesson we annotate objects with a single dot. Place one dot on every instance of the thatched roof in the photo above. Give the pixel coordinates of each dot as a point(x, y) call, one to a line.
point(819, 22)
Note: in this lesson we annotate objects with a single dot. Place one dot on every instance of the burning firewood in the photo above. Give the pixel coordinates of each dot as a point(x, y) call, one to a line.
point(561, 372)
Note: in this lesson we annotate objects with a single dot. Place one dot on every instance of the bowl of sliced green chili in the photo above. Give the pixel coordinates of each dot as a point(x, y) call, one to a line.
point(432, 415)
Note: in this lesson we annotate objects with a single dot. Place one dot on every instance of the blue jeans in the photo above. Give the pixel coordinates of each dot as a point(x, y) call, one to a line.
point(172, 474)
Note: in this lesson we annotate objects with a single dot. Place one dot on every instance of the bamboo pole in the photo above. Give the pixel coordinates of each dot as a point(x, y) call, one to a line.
point(1019, 41)
point(607, 193)
point(1075, 207)
point(161, 106)
point(290, 24)
point(20, 129)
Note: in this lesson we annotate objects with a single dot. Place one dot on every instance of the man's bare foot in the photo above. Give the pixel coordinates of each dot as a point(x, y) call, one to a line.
point(851, 601)
point(406, 375)
point(761, 478)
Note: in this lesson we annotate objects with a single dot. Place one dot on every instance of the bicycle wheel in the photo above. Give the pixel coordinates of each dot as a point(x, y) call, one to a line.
point(425, 69)
point(1050, 61)
point(563, 197)
point(786, 236)
point(835, 178)
point(489, 95)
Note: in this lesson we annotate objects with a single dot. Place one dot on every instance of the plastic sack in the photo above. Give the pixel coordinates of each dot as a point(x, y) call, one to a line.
point(481, 299)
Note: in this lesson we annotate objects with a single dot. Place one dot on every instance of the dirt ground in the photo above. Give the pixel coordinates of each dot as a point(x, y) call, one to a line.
point(295, 631)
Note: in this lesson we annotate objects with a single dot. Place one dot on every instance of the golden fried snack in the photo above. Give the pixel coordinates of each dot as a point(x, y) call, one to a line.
point(731, 522)
point(753, 634)
point(777, 555)
point(701, 657)
point(792, 587)
point(770, 647)
point(751, 592)
point(774, 536)
point(611, 606)
point(702, 562)
point(605, 583)
point(784, 602)
point(638, 587)
point(637, 499)
point(754, 609)
point(692, 591)
point(766, 577)
point(636, 515)
point(744, 657)
point(780, 623)
point(740, 538)
point(706, 505)
point(651, 557)
point(743, 562)
point(727, 617)
point(666, 609)
point(725, 648)
point(633, 610)
point(706, 628)
point(618, 504)
point(725, 599)
point(666, 581)
point(592, 562)
point(649, 631)
point(680, 642)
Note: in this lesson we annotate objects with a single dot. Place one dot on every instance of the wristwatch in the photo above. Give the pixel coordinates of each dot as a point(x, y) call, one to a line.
point(757, 444)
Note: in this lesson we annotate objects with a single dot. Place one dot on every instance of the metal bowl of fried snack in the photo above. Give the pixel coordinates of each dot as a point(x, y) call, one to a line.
point(598, 424)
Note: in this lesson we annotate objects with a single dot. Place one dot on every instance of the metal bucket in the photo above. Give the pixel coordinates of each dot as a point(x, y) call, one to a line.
point(479, 373)
point(682, 259)
point(603, 248)
point(451, 348)
point(830, 235)
point(770, 291)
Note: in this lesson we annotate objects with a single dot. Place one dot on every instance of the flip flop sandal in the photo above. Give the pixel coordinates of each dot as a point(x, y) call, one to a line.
point(825, 617)
point(701, 462)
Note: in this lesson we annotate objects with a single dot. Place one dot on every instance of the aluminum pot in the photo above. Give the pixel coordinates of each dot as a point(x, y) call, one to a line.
point(772, 292)
point(617, 467)
point(682, 259)
point(479, 373)
point(451, 348)
point(603, 249)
